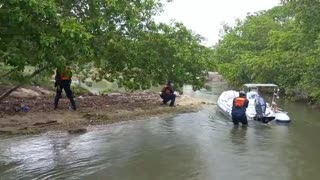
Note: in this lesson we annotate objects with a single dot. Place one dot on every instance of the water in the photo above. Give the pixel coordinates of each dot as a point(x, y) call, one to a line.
point(202, 145)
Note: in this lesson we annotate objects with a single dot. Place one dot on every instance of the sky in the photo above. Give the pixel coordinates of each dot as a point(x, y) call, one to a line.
point(205, 17)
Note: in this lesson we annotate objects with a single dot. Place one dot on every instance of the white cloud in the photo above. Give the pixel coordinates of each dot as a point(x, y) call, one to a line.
point(206, 16)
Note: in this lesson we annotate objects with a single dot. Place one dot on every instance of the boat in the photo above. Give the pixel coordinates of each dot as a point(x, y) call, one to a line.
point(272, 111)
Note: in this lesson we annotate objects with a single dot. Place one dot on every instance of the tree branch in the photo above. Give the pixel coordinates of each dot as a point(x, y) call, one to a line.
point(6, 74)
point(8, 92)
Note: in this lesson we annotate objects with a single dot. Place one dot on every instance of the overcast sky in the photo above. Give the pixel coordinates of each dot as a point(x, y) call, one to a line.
point(205, 17)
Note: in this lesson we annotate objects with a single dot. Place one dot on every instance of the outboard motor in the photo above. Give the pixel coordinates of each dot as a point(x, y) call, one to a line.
point(261, 107)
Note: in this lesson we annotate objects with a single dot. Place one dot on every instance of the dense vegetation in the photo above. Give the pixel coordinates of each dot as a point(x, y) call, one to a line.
point(116, 40)
point(280, 45)
point(119, 40)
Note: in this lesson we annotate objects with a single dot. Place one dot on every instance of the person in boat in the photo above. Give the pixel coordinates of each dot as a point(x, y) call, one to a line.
point(63, 82)
point(261, 107)
point(167, 94)
point(239, 107)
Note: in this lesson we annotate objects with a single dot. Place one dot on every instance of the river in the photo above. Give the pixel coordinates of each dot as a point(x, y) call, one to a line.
point(195, 146)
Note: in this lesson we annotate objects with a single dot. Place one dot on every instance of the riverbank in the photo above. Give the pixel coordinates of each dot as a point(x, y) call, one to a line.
point(29, 115)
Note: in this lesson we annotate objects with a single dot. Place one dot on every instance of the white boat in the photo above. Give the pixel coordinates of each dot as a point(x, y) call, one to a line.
point(272, 111)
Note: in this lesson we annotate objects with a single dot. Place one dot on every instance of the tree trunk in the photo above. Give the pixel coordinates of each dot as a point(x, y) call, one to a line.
point(8, 92)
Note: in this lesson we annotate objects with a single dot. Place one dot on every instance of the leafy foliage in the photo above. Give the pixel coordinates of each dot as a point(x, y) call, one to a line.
point(280, 46)
point(104, 39)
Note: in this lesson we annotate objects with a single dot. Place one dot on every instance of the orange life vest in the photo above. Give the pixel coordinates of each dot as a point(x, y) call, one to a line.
point(166, 90)
point(67, 74)
point(240, 102)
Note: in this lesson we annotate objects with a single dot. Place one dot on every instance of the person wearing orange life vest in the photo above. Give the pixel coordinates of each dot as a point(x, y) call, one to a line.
point(63, 82)
point(239, 106)
point(167, 94)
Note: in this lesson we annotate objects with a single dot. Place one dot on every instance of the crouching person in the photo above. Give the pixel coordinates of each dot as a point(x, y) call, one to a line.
point(167, 94)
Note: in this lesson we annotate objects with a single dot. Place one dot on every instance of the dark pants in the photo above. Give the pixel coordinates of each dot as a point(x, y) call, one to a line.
point(236, 119)
point(168, 97)
point(66, 85)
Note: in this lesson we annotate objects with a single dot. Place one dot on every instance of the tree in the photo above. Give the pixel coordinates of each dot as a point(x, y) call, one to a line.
point(275, 46)
point(113, 38)
point(35, 34)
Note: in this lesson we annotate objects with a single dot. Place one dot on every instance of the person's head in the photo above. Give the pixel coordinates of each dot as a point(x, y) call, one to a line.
point(242, 94)
point(258, 91)
point(170, 83)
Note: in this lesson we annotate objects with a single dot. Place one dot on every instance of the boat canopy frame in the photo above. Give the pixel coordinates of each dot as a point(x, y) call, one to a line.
point(260, 85)
point(275, 96)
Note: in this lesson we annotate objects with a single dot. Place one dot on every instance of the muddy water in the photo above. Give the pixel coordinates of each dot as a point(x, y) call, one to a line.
point(202, 145)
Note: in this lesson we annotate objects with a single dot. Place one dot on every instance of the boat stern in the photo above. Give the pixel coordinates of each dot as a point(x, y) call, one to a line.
point(282, 117)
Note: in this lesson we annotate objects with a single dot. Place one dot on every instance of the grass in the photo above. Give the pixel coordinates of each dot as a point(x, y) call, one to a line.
point(80, 91)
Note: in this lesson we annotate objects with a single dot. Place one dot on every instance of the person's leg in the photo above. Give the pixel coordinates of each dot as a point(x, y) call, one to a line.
point(264, 108)
point(165, 98)
point(259, 111)
point(244, 120)
point(67, 89)
point(173, 99)
point(235, 121)
point(58, 96)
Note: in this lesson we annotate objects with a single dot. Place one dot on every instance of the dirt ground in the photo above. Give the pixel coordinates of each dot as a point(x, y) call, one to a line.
point(34, 113)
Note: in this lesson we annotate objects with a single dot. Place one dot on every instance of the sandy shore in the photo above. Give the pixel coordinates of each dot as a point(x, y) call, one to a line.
point(93, 110)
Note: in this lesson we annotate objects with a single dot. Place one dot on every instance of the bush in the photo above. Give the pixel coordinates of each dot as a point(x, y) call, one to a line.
point(80, 91)
point(107, 91)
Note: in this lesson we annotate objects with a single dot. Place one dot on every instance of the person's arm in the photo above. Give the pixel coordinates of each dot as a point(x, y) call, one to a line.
point(57, 78)
point(171, 90)
point(246, 103)
point(264, 102)
point(233, 106)
point(163, 91)
point(57, 75)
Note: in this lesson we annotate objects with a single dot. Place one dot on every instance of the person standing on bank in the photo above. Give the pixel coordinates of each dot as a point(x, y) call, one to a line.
point(63, 82)
point(167, 94)
point(239, 107)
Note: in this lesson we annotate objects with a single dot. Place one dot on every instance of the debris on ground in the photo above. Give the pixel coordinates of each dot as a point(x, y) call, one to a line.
point(34, 114)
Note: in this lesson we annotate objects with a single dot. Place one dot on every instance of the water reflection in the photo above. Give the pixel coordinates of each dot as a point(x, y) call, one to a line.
point(238, 137)
point(202, 145)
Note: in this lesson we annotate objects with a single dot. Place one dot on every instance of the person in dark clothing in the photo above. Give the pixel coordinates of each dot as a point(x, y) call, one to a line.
point(261, 107)
point(167, 94)
point(63, 82)
point(239, 107)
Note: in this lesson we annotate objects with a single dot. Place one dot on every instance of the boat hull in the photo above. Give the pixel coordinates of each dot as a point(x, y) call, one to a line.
point(225, 101)
point(282, 117)
point(225, 112)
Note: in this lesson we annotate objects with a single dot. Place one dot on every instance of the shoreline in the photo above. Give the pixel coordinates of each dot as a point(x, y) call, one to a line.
point(92, 111)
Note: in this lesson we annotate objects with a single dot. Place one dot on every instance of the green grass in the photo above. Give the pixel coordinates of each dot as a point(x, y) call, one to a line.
point(80, 91)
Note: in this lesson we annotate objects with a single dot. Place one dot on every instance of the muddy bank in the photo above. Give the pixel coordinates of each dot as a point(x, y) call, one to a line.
point(36, 114)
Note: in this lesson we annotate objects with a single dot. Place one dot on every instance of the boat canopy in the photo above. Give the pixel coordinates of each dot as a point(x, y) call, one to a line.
point(260, 85)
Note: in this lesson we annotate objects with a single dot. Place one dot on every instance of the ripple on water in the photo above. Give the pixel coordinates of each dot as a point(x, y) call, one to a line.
point(201, 145)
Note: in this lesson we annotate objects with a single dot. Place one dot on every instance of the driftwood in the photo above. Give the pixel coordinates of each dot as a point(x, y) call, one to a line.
point(9, 91)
